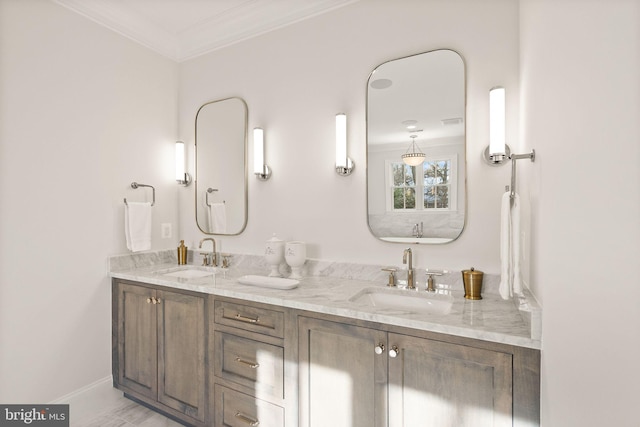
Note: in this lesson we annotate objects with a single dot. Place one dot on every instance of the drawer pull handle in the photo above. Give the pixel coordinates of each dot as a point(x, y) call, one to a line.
point(247, 319)
point(247, 419)
point(252, 365)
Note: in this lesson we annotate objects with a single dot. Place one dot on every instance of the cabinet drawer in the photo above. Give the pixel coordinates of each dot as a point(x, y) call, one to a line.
point(254, 319)
point(250, 363)
point(234, 409)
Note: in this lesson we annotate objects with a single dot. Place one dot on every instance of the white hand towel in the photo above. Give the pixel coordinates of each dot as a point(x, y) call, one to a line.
point(510, 276)
point(217, 218)
point(137, 226)
point(515, 246)
point(505, 247)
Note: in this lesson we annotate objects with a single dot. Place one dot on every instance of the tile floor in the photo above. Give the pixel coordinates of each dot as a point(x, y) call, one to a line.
point(126, 413)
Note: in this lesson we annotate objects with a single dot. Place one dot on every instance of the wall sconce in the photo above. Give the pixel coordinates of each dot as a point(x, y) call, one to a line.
point(260, 169)
point(498, 152)
point(344, 165)
point(182, 177)
point(497, 125)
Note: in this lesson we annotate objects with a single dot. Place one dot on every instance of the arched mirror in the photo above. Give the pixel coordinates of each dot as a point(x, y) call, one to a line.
point(416, 148)
point(221, 167)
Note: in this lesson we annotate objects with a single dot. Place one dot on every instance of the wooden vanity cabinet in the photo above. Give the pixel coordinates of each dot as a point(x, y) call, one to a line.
point(159, 341)
point(359, 376)
point(217, 361)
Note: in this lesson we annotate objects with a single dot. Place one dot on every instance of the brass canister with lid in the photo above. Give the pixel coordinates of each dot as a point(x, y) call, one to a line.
point(472, 280)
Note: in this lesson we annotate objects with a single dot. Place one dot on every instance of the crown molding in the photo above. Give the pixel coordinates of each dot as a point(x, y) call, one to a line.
point(245, 20)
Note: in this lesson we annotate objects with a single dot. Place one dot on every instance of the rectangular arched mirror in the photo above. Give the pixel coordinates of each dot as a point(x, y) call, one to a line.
point(221, 167)
point(416, 148)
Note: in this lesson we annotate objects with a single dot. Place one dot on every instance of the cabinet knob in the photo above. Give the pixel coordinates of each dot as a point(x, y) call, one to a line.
point(156, 300)
point(149, 300)
point(394, 351)
point(379, 348)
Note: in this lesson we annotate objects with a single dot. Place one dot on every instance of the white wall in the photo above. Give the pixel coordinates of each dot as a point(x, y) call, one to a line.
point(581, 108)
point(83, 113)
point(297, 78)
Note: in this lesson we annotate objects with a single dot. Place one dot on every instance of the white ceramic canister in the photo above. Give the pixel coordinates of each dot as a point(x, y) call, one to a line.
point(274, 255)
point(295, 253)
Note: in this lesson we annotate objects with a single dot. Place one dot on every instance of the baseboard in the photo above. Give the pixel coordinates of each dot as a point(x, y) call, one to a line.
point(91, 399)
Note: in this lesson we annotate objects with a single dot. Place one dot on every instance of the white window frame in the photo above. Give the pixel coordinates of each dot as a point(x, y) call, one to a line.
point(453, 189)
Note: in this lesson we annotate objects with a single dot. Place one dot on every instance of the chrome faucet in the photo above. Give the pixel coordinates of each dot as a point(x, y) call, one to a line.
point(418, 229)
point(409, 255)
point(214, 255)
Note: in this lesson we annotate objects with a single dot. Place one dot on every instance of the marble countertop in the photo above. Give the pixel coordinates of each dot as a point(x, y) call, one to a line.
point(514, 322)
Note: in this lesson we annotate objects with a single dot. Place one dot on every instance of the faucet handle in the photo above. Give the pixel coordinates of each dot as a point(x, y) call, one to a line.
point(225, 260)
point(430, 282)
point(205, 258)
point(392, 276)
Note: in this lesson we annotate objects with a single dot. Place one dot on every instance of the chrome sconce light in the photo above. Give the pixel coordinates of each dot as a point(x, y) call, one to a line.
point(498, 152)
point(344, 165)
point(182, 176)
point(260, 169)
point(498, 148)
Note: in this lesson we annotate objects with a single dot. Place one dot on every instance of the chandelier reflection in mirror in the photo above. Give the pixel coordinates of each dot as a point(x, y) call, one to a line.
point(413, 156)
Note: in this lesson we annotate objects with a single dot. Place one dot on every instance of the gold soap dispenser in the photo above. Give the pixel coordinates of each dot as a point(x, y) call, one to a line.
point(182, 253)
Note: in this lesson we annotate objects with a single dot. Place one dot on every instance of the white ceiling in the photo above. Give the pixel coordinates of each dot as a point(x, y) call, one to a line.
point(183, 29)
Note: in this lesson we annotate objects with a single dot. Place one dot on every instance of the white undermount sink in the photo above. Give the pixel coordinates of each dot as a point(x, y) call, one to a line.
point(269, 282)
point(188, 272)
point(404, 300)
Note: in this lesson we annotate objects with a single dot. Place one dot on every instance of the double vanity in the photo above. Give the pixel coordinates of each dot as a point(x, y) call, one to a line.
point(340, 349)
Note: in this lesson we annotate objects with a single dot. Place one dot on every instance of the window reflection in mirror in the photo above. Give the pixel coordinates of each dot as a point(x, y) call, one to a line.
point(419, 98)
point(221, 167)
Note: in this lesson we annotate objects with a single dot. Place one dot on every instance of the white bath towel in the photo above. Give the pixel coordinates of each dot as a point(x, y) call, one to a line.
point(510, 277)
point(217, 218)
point(137, 226)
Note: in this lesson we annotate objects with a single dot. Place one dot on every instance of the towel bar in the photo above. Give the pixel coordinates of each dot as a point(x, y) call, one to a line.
point(206, 195)
point(531, 156)
point(135, 185)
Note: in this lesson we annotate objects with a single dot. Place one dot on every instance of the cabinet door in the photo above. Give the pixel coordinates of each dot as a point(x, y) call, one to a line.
point(437, 384)
point(343, 382)
point(137, 340)
point(181, 344)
